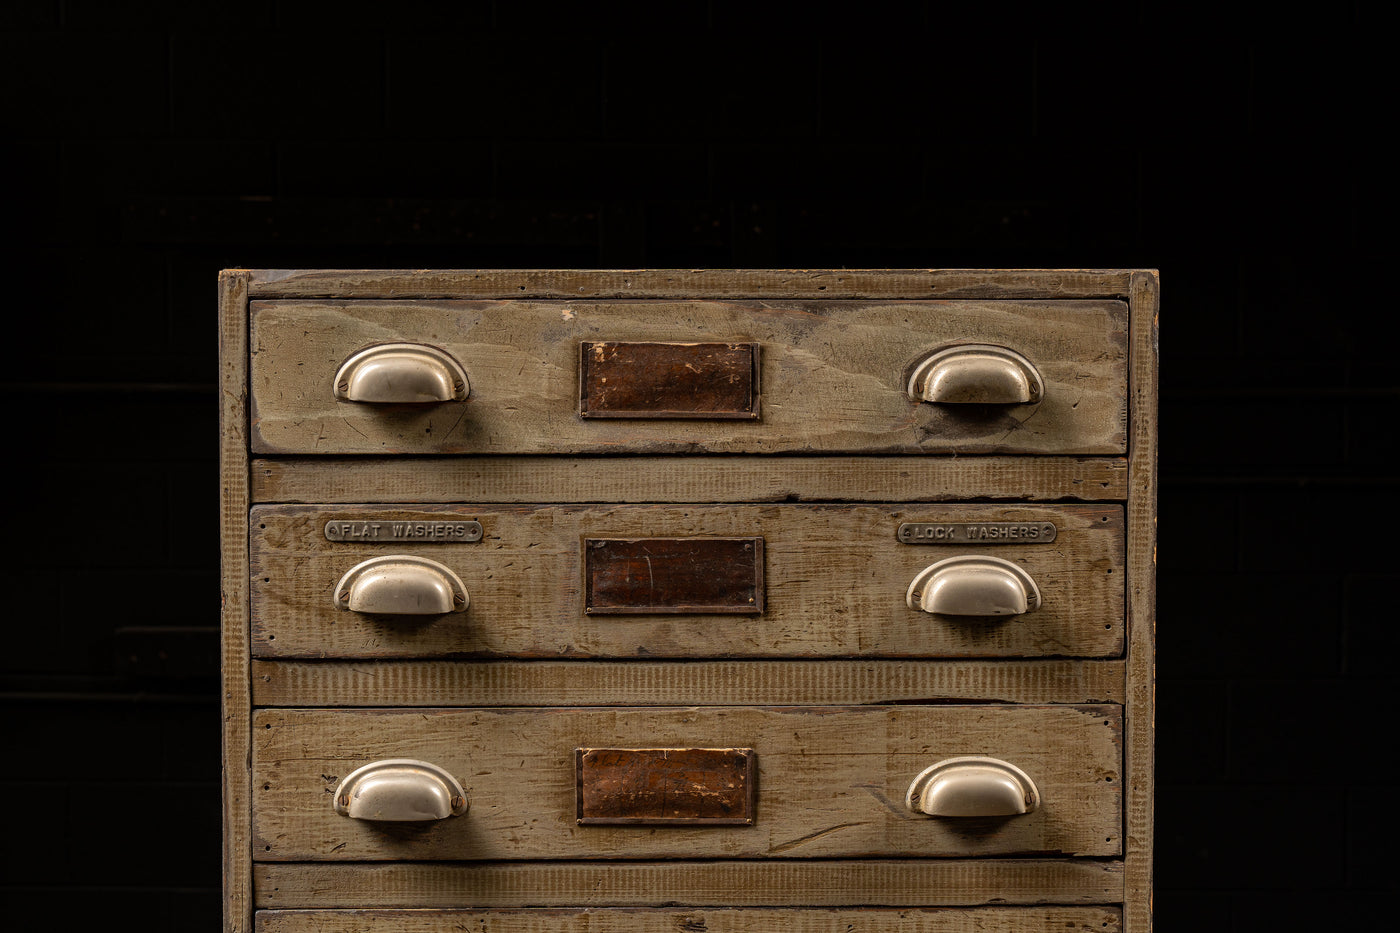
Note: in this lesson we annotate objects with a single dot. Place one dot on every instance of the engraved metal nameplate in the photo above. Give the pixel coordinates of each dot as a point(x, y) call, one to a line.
point(708, 381)
point(446, 532)
point(976, 532)
point(687, 576)
point(666, 786)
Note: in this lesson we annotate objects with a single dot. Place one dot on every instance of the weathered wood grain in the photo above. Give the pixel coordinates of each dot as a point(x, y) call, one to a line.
point(687, 479)
point(831, 780)
point(1142, 598)
point(607, 478)
point(834, 376)
point(822, 883)
point(681, 683)
point(690, 283)
point(836, 581)
point(706, 920)
point(233, 559)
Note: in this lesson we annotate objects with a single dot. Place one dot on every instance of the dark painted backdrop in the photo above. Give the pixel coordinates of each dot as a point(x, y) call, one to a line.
point(151, 144)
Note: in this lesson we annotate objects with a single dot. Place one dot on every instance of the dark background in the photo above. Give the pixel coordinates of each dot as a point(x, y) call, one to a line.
point(151, 145)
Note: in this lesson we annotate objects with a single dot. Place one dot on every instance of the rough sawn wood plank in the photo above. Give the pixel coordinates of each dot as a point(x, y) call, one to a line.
point(687, 479)
point(722, 883)
point(233, 559)
point(688, 283)
point(834, 377)
point(836, 581)
point(1142, 604)
point(683, 683)
point(711, 920)
point(831, 781)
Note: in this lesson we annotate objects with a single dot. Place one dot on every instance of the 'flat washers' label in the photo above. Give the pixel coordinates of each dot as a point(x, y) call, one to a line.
point(445, 532)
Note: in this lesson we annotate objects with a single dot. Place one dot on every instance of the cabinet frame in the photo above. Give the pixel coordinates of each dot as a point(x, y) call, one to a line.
point(1131, 479)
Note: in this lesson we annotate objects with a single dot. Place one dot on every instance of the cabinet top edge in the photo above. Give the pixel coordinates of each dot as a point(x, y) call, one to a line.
point(691, 283)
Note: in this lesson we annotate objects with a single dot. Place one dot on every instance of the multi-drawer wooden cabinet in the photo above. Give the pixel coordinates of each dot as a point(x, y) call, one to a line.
point(655, 601)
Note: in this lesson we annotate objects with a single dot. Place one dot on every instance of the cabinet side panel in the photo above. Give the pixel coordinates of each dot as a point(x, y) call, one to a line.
point(1142, 600)
point(233, 549)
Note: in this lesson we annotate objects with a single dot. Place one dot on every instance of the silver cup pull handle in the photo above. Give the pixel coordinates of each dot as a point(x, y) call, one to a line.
point(972, 786)
point(401, 374)
point(402, 585)
point(974, 586)
point(976, 374)
point(400, 790)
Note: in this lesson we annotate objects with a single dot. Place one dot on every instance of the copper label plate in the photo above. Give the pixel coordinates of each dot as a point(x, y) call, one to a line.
point(685, 576)
point(976, 532)
point(710, 381)
point(374, 530)
point(666, 786)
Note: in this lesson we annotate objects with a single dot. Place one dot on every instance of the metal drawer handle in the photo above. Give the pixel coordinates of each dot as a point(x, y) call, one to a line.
point(401, 373)
point(974, 586)
point(976, 374)
point(401, 585)
point(972, 786)
point(400, 790)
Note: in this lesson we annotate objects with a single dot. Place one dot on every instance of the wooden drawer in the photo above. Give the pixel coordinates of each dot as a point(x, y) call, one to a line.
point(713, 920)
point(821, 581)
point(830, 781)
point(829, 376)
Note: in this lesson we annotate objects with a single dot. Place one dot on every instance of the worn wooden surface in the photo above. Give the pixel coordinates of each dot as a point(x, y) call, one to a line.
point(831, 780)
point(688, 283)
point(709, 920)
point(1142, 600)
point(836, 581)
point(817, 883)
point(833, 374)
point(681, 683)
point(716, 479)
point(233, 559)
point(687, 479)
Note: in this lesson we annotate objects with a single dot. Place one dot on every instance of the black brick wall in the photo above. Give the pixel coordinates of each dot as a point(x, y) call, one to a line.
point(149, 145)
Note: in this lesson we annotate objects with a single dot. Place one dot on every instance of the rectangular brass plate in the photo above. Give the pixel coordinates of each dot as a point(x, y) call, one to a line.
point(711, 381)
point(666, 786)
point(976, 532)
point(683, 576)
point(445, 532)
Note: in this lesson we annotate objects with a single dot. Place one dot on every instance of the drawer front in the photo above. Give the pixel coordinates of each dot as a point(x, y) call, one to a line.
point(711, 920)
point(688, 377)
point(781, 580)
point(830, 781)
